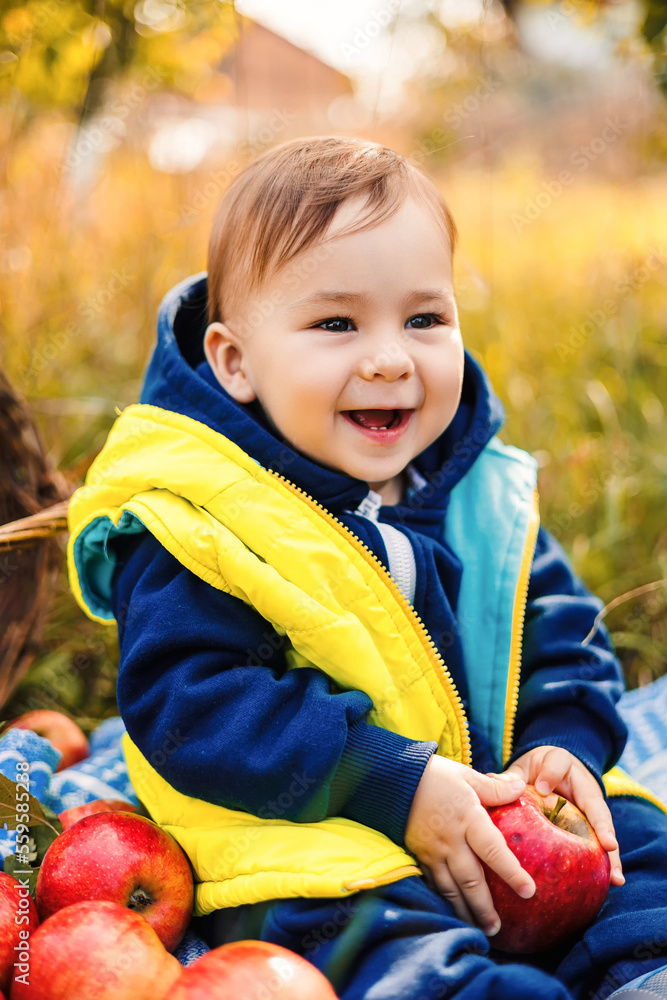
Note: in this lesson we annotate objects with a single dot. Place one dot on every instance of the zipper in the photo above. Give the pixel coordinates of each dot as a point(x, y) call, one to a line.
point(401, 559)
point(419, 627)
point(400, 556)
point(518, 619)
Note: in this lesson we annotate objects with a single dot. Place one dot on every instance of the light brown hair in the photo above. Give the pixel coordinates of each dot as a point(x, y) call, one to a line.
point(285, 201)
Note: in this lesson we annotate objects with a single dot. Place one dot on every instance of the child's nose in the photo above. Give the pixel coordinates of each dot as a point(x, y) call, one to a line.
point(388, 359)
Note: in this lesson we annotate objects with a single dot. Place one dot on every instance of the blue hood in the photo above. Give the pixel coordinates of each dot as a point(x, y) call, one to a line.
point(179, 378)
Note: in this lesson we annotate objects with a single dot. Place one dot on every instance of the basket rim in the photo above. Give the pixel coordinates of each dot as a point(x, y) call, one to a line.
point(46, 523)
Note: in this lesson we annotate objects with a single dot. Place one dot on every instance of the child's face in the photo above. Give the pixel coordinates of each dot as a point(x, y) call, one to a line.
point(353, 349)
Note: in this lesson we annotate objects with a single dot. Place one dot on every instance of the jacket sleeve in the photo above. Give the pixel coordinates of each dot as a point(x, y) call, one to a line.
point(568, 690)
point(205, 695)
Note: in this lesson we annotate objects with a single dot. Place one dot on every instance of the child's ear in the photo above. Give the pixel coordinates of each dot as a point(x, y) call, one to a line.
point(224, 354)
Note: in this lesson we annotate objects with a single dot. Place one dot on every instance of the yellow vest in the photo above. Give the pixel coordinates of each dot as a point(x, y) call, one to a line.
point(253, 534)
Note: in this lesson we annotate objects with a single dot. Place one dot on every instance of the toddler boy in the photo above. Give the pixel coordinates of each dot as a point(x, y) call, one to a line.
point(343, 632)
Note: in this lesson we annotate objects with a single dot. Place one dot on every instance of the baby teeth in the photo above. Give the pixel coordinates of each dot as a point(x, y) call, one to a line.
point(394, 422)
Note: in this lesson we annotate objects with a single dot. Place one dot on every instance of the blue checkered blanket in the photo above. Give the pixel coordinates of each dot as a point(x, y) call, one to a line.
point(645, 756)
point(104, 775)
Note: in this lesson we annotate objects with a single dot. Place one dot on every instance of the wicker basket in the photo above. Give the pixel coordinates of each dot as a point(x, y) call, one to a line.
point(33, 511)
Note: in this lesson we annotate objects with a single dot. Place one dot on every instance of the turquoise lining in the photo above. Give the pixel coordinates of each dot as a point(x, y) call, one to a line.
point(96, 562)
point(490, 545)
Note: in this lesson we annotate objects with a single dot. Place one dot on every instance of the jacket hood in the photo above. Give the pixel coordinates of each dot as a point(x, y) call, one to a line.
point(179, 378)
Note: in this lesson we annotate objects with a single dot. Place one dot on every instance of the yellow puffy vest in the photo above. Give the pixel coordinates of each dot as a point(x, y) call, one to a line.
point(250, 532)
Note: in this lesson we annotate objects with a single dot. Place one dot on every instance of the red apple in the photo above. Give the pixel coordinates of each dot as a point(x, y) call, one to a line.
point(95, 951)
point(251, 969)
point(60, 730)
point(18, 919)
point(125, 858)
point(70, 816)
point(557, 846)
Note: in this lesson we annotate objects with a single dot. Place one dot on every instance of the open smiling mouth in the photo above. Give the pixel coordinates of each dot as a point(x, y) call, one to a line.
point(379, 420)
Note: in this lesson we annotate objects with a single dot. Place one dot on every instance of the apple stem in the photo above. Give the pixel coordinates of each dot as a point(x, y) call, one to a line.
point(139, 900)
point(557, 808)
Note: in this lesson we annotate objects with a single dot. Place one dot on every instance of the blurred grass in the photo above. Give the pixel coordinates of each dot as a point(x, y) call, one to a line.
point(567, 313)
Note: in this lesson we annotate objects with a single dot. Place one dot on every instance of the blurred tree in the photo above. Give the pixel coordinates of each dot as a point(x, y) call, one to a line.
point(652, 26)
point(64, 54)
point(654, 30)
point(476, 31)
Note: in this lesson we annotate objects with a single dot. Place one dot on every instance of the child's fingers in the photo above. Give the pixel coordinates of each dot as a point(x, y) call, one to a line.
point(604, 831)
point(490, 846)
point(553, 767)
point(587, 796)
point(617, 876)
point(519, 770)
point(449, 890)
point(462, 882)
point(597, 813)
point(494, 790)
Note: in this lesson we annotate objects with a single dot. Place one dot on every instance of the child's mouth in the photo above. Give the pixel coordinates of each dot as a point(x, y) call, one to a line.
point(385, 424)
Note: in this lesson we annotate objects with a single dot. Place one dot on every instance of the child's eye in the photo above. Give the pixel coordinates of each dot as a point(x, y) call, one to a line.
point(424, 321)
point(337, 324)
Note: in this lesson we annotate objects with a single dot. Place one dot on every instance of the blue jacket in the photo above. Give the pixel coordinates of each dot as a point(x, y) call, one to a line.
point(202, 684)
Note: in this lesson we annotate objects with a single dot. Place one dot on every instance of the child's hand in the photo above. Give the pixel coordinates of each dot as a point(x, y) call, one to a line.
point(552, 769)
point(449, 829)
